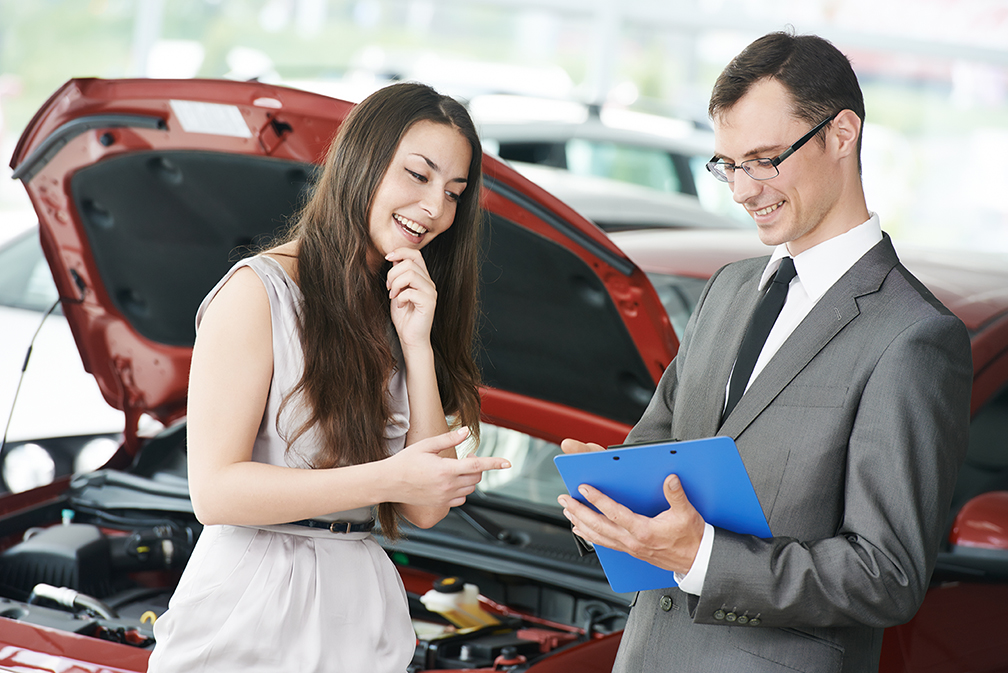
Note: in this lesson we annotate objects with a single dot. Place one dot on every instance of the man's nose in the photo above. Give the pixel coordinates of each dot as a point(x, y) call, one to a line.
point(744, 187)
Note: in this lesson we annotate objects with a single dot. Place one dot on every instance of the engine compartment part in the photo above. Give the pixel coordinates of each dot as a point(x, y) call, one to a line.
point(74, 600)
point(76, 556)
point(87, 559)
point(102, 559)
point(458, 602)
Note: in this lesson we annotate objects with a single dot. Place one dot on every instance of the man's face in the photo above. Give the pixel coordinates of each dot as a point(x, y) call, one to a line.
point(798, 206)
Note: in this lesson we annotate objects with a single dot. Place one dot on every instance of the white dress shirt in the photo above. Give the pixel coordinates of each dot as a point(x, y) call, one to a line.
point(818, 269)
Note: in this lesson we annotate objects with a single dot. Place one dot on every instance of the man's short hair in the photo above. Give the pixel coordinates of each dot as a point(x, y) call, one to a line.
point(818, 76)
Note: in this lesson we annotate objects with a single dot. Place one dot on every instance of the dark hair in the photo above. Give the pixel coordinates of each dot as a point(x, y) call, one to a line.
point(818, 76)
point(345, 324)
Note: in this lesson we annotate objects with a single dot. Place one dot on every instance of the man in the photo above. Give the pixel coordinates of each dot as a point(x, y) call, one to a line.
point(853, 420)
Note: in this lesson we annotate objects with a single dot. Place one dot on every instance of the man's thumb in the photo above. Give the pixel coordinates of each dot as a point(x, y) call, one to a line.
point(673, 491)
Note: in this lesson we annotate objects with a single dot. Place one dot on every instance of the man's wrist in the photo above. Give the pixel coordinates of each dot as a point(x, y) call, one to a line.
point(692, 581)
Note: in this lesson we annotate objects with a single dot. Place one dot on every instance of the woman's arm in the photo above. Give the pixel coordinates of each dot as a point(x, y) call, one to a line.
point(413, 300)
point(427, 419)
point(229, 380)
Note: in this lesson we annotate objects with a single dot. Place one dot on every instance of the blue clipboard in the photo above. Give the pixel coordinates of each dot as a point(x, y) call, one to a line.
point(712, 476)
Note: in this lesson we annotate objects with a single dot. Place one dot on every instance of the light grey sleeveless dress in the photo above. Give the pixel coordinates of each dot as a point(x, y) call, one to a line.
point(288, 598)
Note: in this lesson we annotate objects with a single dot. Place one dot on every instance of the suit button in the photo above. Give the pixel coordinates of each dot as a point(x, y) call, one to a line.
point(665, 603)
point(754, 621)
point(719, 615)
point(743, 620)
point(730, 617)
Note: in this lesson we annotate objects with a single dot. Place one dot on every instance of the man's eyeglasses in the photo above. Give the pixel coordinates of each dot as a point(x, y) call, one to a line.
point(762, 169)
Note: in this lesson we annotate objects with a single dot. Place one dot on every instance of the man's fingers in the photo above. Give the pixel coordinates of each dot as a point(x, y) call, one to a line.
point(612, 510)
point(575, 446)
point(592, 526)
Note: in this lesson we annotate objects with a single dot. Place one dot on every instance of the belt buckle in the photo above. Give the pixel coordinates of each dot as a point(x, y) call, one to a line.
point(332, 526)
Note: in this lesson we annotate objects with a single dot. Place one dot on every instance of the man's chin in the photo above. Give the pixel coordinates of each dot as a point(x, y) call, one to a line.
point(770, 235)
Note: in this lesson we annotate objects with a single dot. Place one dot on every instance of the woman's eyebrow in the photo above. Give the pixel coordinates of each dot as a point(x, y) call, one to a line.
point(437, 168)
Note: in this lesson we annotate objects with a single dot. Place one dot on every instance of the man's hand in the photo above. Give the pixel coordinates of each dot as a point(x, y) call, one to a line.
point(574, 446)
point(669, 540)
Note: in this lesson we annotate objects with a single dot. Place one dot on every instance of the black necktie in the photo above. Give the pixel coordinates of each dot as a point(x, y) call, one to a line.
point(759, 329)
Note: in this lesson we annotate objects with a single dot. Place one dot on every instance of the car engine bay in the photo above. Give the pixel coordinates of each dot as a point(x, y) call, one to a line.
point(102, 560)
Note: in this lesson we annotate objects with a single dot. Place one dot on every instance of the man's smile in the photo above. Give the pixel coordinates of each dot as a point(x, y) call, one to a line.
point(768, 209)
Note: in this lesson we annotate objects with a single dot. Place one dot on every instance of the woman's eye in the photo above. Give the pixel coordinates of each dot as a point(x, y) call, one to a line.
point(416, 175)
point(452, 196)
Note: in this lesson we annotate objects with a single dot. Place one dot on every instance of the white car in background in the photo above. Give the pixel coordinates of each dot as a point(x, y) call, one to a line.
point(662, 153)
point(60, 423)
point(615, 205)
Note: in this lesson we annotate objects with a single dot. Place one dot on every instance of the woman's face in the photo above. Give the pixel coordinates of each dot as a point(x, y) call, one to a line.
point(416, 199)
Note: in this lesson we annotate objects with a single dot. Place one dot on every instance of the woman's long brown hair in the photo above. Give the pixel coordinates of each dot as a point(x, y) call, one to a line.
point(345, 321)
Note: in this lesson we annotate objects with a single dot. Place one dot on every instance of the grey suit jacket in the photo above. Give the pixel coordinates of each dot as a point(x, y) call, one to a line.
point(852, 435)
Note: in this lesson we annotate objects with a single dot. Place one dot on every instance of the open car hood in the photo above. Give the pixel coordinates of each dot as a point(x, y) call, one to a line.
point(147, 191)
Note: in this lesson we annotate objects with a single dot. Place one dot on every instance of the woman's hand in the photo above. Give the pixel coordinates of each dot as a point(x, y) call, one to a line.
point(424, 478)
point(413, 297)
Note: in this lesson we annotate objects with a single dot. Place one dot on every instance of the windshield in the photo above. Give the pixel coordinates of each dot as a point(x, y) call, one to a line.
point(25, 279)
point(645, 166)
point(532, 478)
point(679, 295)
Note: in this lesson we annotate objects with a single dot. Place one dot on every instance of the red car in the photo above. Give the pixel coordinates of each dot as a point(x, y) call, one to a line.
point(147, 191)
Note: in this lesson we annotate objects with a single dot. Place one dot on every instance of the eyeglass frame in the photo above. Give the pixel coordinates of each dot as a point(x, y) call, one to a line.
point(775, 162)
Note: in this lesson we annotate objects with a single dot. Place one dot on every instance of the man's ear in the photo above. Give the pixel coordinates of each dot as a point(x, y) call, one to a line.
point(845, 130)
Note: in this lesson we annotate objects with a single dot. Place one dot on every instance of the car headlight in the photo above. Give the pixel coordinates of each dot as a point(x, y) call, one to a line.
point(28, 466)
point(95, 454)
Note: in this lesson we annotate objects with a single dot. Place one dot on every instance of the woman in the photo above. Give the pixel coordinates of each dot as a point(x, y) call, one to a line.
point(323, 352)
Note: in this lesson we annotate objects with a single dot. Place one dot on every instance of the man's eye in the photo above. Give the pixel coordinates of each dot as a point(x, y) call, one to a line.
point(764, 163)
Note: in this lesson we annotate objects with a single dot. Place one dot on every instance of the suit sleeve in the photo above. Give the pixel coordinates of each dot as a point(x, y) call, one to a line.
point(908, 438)
point(656, 421)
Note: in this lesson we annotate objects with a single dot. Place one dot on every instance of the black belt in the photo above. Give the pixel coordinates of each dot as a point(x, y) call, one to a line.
point(337, 526)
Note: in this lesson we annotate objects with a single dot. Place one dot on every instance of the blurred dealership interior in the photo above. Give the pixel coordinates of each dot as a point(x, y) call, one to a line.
point(934, 72)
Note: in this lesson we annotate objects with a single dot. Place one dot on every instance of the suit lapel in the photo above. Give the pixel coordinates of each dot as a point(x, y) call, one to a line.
point(831, 314)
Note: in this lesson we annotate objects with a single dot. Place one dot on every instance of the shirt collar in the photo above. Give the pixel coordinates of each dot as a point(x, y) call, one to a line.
point(822, 265)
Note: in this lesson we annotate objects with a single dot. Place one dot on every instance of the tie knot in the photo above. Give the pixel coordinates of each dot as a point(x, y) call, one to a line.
point(786, 271)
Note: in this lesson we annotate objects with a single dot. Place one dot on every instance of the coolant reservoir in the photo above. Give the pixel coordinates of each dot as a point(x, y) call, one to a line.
point(458, 603)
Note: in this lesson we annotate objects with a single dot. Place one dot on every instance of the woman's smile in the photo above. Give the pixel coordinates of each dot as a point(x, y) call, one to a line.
point(417, 198)
point(414, 231)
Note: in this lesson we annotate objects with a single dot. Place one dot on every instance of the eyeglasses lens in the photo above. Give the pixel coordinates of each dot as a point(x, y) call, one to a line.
point(758, 169)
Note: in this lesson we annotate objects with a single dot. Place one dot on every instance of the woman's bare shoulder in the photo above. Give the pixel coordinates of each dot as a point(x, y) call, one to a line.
point(286, 256)
point(242, 300)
